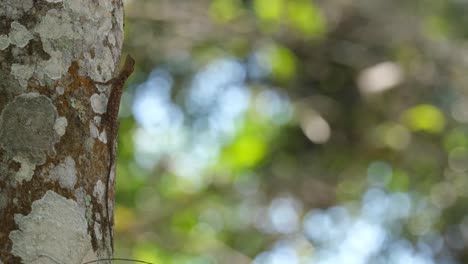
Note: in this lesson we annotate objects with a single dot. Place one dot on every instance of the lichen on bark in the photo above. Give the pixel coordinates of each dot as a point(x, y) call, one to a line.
point(52, 53)
point(51, 216)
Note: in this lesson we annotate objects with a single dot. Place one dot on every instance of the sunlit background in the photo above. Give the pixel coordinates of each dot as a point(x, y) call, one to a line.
point(295, 131)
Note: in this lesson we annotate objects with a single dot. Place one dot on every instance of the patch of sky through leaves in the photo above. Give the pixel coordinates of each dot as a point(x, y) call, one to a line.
point(191, 135)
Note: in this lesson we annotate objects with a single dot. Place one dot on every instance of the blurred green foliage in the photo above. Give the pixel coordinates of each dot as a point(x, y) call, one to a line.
point(278, 131)
point(424, 118)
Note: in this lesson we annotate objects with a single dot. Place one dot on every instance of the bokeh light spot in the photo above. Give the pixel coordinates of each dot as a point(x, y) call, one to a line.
point(380, 77)
point(315, 128)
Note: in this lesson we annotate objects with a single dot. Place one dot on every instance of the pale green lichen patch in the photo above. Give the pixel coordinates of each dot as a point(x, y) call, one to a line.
point(97, 120)
point(89, 32)
point(72, 31)
point(19, 35)
point(79, 108)
point(93, 130)
point(80, 199)
point(55, 231)
point(99, 191)
point(22, 73)
point(60, 90)
point(97, 231)
point(103, 88)
point(55, 25)
point(65, 173)
point(60, 126)
point(4, 42)
point(99, 103)
point(89, 208)
point(26, 171)
point(54, 68)
point(84, 201)
point(14, 8)
point(103, 137)
point(27, 127)
point(89, 144)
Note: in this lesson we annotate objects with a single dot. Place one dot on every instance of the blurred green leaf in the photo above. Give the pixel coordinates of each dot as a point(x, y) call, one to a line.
point(424, 118)
point(131, 176)
point(149, 253)
point(394, 135)
point(306, 17)
point(184, 221)
point(283, 62)
point(126, 146)
point(124, 218)
point(437, 26)
point(225, 10)
point(269, 10)
point(246, 151)
point(399, 182)
point(455, 138)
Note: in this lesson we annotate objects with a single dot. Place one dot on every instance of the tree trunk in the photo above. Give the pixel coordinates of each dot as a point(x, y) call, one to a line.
point(56, 57)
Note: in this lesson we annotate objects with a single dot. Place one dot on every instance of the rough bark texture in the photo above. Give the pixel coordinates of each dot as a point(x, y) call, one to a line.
point(54, 157)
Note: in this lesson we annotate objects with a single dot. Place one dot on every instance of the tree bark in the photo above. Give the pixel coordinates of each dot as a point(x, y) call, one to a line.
point(54, 153)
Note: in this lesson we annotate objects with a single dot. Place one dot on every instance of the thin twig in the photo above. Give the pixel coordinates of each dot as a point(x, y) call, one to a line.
point(119, 259)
